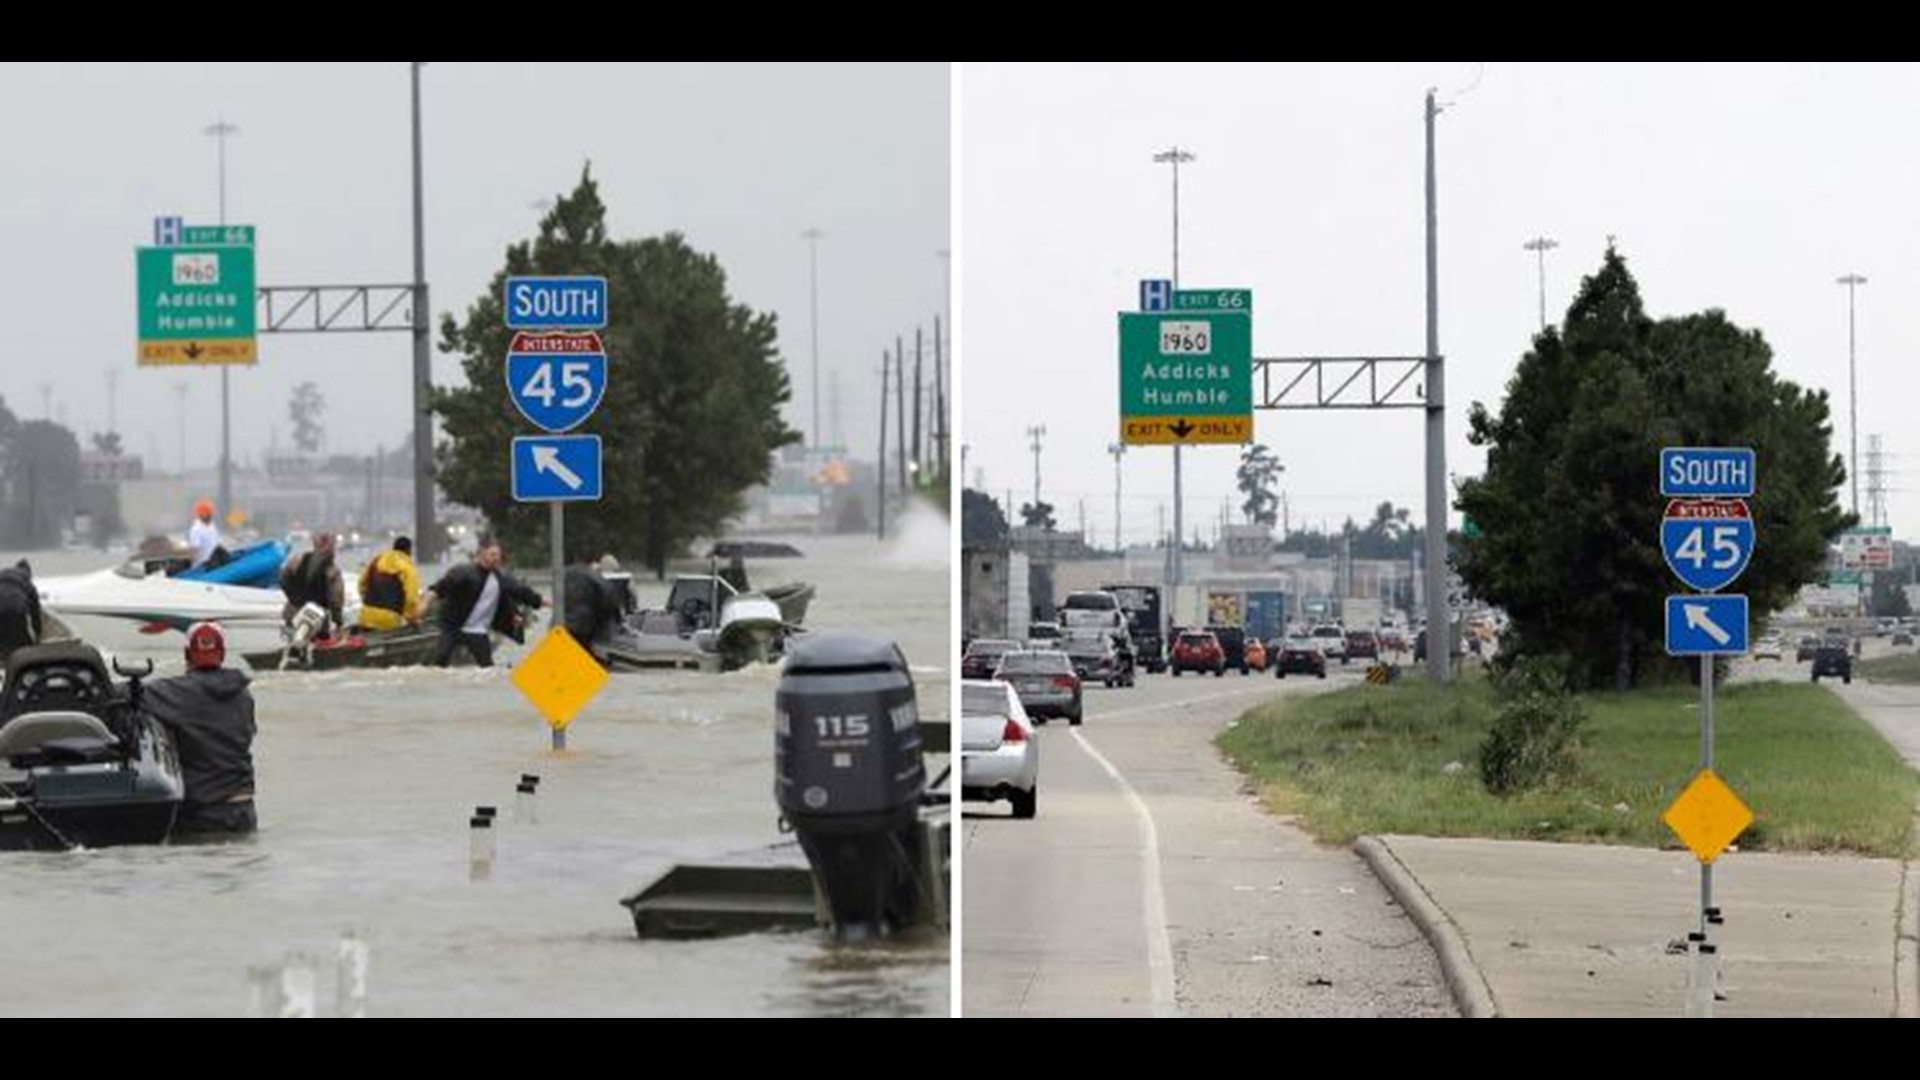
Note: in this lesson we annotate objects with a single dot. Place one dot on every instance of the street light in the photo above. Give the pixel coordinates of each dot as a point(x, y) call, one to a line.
point(1540, 245)
point(219, 130)
point(1116, 449)
point(1852, 281)
point(1175, 157)
point(812, 237)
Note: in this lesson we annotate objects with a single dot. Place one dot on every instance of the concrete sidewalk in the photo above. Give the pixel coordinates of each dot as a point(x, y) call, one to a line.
point(1537, 929)
point(1540, 929)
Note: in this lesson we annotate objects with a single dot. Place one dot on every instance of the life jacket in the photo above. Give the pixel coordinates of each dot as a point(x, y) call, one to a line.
point(384, 590)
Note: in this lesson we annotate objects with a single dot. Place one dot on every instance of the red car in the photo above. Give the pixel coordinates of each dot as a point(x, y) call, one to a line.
point(1362, 645)
point(1197, 650)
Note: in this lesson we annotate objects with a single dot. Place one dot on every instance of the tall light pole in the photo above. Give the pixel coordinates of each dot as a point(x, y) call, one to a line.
point(1852, 282)
point(1117, 450)
point(180, 395)
point(1036, 433)
point(812, 237)
point(220, 130)
point(1540, 245)
point(427, 540)
point(1175, 157)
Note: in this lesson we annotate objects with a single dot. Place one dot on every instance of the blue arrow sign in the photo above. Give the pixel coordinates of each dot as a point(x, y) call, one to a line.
point(1706, 625)
point(556, 390)
point(1707, 542)
point(1707, 472)
point(555, 303)
point(1156, 294)
point(556, 468)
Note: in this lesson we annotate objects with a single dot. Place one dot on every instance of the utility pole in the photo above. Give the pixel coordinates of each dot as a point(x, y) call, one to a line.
point(428, 542)
point(1036, 433)
point(1540, 245)
point(1439, 632)
point(880, 462)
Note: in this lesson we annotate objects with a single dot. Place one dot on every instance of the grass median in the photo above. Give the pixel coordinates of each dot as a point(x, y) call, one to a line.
point(1404, 759)
point(1904, 668)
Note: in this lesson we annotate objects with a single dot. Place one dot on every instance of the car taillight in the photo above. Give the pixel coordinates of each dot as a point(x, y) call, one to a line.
point(1063, 682)
point(1014, 732)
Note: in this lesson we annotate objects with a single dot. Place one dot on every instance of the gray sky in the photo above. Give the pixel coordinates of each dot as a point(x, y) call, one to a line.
point(740, 158)
point(1749, 188)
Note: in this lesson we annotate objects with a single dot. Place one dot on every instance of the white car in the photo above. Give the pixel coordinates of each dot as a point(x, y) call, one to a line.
point(1331, 639)
point(1769, 648)
point(999, 757)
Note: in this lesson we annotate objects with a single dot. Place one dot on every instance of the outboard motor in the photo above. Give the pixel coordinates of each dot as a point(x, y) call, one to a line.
point(308, 623)
point(848, 776)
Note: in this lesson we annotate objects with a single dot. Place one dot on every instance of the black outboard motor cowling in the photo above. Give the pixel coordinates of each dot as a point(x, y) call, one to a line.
point(848, 776)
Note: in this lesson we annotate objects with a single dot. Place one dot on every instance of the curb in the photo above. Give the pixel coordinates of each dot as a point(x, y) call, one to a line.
point(1471, 994)
point(1906, 945)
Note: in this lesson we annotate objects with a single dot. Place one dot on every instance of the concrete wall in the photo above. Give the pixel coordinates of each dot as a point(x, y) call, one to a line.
point(993, 592)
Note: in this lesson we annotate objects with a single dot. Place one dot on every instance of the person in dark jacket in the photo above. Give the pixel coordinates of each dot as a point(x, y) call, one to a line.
point(209, 713)
point(735, 572)
point(479, 597)
point(597, 600)
point(20, 620)
point(314, 578)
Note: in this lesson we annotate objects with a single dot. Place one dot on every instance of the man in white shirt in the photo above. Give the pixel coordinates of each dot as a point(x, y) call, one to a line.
point(203, 536)
point(477, 598)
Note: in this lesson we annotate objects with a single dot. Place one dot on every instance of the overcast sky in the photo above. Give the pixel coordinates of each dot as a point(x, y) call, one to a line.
point(1748, 188)
point(740, 158)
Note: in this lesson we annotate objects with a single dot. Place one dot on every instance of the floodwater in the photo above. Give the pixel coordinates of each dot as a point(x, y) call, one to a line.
point(366, 783)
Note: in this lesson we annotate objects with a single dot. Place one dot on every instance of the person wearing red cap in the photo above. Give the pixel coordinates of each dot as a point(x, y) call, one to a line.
point(209, 712)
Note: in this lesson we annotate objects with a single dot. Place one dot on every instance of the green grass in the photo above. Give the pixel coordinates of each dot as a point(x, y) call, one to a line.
point(1904, 668)
point(1371, 760)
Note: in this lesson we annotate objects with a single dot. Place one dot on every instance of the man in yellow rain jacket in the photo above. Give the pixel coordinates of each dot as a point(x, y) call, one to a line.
point(390, 589)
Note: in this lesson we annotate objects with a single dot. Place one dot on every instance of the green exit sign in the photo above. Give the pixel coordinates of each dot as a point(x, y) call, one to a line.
point(1213, 300)
point(217, 236)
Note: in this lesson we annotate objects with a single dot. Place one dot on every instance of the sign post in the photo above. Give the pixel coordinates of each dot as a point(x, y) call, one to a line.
point(557, 378)
point(1707, 536)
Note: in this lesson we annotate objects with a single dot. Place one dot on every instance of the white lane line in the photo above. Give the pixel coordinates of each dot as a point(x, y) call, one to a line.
point(1181, 703)
point(1159, 946)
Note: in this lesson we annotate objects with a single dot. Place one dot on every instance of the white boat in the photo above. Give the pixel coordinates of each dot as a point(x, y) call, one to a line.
point(749, 629)
point(124, 592)
point(140, 589)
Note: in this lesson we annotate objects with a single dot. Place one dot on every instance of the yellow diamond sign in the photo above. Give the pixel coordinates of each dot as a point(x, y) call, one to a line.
point(1707, 816)
point(559, 677)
